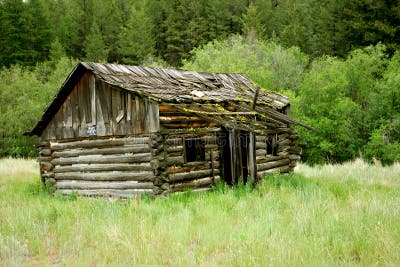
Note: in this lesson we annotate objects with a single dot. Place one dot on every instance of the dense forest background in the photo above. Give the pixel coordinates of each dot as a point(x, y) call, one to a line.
point(338, 61)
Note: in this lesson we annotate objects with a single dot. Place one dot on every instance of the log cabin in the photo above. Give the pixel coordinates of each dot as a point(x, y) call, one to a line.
point(118, 130)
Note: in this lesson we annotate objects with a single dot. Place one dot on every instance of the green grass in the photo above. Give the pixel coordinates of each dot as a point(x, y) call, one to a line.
point(343, 215)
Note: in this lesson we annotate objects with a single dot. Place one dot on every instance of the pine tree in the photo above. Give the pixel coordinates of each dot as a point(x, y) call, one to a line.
point(95, 49)
point(251, 22)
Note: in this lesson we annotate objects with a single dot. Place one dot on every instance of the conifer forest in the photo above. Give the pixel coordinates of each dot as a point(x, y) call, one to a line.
point(338, 61)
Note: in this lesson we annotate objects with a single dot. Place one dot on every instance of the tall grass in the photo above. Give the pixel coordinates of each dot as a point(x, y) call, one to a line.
point(290, 220)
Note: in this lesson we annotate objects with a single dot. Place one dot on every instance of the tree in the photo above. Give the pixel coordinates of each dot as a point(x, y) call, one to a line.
point(136, 40)
point(252, 23)
point(95, 49)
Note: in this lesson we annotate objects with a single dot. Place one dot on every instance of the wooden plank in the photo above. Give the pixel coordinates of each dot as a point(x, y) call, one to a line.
point(79, 185)
point(59, 123)
point(252, 164)
point(104, 167)
point(95, 143)
point(140, 148)
point(153, 118)
point(134, 158)
point(92, 90)
point(75, 111)
point(145, 176)
point(68, 131)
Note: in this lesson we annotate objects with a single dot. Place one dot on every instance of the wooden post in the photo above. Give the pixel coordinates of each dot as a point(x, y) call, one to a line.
point(252, 158)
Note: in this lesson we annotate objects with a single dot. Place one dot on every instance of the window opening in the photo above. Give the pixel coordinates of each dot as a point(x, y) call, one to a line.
point(194, 150)
point(272, 144)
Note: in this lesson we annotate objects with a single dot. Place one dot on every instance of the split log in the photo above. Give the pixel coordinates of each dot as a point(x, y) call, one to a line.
point(284, 142)
point(273, 164)
point(145, 176)
point(127, 193)
point(140, 148)
point(100, 143)
point(134, 158)
point(103, 167)
point(83, 185)
point(261, 145)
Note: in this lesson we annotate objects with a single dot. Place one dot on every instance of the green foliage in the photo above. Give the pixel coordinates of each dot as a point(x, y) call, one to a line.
point(267, 63)
point(135, 41)
point(23, 96)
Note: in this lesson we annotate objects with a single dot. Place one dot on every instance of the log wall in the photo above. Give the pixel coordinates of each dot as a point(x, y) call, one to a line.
point(117, 167)
point(95, 108)
point(287, 154)
point(196, 175)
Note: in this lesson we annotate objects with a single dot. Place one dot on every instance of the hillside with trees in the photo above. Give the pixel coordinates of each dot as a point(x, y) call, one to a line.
point(339, 62)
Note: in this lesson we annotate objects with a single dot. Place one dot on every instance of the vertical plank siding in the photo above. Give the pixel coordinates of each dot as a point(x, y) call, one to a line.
point(95, 103)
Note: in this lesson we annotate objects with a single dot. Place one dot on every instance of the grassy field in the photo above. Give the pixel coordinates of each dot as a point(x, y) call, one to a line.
point(343, 215)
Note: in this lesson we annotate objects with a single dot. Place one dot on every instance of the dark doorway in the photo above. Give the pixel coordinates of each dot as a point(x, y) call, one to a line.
point(235, 156)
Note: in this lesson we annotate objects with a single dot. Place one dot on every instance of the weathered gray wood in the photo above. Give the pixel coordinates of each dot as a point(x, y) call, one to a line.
point(145, 176)
point(134, 158)
point(92, 89)
point(273, 164)
point(103, 167)
point(294, 157)
point(126, 193)
point(79, 185)
point(191, 175)
point(139, 148)
point(95, 143)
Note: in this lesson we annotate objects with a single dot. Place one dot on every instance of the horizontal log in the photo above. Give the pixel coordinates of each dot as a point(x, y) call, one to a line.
point(208, 181)
point(48, 175)
point(273, 164)
point(46, 166)
point(127, 193)
point(294, 157)
point(295, 150)
point(181, 148)
point(104, 167)
point(93, 143)
point(139, 148)
point(284, 142)
point(79, 185)
point(137, 158)
point(145, 176)
point(179, 160)
point(192, 175)
point(269, 171)
point(260, 145)
point(45, 152)
point(269, 158)
point(261, 152)
point(283, 136)
point(197, 167)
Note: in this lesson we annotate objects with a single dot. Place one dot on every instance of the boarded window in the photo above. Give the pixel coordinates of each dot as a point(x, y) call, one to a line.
point(194, 150)
point(272, 145)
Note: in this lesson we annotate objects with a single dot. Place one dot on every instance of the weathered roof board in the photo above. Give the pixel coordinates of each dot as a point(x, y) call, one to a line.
point(181, 89)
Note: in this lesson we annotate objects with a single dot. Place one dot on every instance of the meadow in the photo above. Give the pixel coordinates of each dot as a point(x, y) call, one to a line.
point(329, 215)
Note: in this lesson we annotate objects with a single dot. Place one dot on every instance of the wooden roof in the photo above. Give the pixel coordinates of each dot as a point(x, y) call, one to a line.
point(183, 89)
